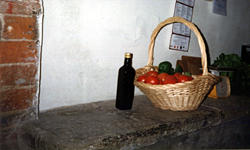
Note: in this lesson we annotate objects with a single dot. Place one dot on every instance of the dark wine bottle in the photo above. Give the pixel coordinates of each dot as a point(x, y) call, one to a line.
point(125, 85)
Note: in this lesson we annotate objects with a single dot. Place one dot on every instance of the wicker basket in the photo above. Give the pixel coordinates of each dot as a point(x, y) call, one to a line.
point(180, 96)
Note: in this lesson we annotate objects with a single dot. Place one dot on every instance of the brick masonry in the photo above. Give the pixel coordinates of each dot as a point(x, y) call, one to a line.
point(16, 99)
point(18, 52)
point(16, 27)
point(20, 7)
point(19, 60)
point(0, 28)
point(18, 75)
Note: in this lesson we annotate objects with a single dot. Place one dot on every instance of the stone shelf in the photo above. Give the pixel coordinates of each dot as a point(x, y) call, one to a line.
point(100, 125)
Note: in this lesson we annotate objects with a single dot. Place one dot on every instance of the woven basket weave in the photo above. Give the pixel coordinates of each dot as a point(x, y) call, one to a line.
point(180, 96)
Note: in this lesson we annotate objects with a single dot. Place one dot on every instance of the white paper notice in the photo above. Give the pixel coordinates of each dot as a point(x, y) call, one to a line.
point(181, 33)
point(187, 2)
point(180, 28)
point(179, 42)
point(184, 12)
point(220, 7)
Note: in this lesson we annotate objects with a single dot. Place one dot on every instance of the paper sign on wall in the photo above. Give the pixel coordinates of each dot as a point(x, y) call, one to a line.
point(186, 13)
point(220, 7)
point(179, 42)
point(187, 2)
point(181, 33)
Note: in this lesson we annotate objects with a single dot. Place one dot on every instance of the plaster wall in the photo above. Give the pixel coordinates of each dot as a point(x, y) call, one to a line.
point(84, 42)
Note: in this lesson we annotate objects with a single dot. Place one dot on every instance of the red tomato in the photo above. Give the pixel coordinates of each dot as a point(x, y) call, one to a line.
point(184, 78)
point(152, 73)
point(190, 78)
point(162, 76)
point(177, 75)
point(142, 78)
point(152, 80)
point(170, 79)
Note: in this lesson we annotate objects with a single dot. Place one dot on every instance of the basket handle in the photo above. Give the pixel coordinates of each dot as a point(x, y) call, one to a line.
point(188, 24)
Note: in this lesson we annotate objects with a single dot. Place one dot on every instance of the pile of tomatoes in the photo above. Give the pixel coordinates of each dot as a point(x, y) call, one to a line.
point(153, 77)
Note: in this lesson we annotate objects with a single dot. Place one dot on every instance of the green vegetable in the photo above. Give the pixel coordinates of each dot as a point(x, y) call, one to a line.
point(223, 74)
point(187, 74)
point(227, 61)
point(178, 69)
point(230, 75)
point(171, 72)
point(165, 67)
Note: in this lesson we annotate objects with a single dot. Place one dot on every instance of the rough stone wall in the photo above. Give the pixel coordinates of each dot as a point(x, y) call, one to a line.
point(20, 47)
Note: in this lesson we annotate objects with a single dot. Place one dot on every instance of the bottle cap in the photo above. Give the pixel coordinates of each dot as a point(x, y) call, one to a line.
point(128, 55)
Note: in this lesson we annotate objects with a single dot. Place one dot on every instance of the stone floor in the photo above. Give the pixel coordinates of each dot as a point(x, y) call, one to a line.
point(100, 126)
point(9, 129)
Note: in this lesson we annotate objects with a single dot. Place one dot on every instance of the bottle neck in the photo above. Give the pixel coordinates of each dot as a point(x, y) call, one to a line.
point(128, 62)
